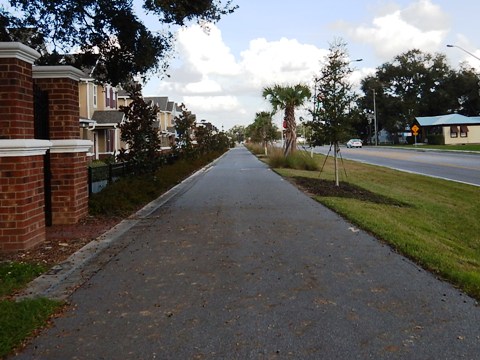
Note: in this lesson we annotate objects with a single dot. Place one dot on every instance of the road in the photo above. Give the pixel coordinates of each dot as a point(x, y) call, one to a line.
point(239, 264)
point(456, 166)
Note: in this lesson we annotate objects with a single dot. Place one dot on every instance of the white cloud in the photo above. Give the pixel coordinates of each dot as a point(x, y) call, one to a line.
point(421, 25)
point(285, 62)
point(204, 51)
point(205, 86)
point(217, 87)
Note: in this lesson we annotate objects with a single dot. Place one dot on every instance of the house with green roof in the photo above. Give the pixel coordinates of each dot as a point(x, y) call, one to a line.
point(451, 129)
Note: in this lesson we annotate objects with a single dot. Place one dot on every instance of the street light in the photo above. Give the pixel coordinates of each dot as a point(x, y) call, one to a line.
point(468, 52)
point(375, 118)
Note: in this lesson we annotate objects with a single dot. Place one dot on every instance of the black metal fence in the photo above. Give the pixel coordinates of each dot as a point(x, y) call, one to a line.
point(100, 176)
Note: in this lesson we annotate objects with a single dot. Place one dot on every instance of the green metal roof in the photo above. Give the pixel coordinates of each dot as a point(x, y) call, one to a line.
point(450, 119)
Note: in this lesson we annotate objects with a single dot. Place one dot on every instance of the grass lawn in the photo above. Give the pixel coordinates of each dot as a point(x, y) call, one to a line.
point(18, 320)
point(467, 147)
point(434, 222)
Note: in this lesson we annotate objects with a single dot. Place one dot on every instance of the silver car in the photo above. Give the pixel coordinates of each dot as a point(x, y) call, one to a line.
point(354, 143)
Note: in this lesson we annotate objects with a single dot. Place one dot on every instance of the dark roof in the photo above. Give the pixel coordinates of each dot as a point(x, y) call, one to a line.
point(170, 106)
point(122, 92)
point(160, 101)
point(108, 117)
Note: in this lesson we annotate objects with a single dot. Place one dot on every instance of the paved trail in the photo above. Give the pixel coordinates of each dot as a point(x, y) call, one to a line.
point(241, 265)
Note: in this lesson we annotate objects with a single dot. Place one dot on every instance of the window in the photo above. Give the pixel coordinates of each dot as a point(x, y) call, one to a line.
point(94, 96)
point(463, 131)
point(107, 98)
point(453, 131)
point(112, 99)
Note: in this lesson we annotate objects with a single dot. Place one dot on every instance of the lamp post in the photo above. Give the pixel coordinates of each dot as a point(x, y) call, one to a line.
point(375, 118)
point(468, 52)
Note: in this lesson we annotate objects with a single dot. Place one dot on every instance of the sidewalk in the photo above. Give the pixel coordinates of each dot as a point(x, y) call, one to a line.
point(237, 263)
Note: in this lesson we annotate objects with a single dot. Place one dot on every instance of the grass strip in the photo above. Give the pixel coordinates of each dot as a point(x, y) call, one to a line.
point(432, 221)
point(19, 320)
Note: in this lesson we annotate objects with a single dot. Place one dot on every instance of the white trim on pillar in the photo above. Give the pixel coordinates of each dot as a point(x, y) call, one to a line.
point(57, 72)
point(18, 50)
point(70, 146)
point(23, 147)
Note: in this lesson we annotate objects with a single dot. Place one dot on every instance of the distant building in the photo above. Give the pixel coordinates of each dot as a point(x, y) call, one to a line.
point(451, 129)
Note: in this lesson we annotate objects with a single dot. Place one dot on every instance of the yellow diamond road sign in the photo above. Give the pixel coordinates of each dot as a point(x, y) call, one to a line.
point(415, 129)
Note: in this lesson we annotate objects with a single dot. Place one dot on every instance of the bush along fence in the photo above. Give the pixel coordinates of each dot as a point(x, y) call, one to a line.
point(100, 176)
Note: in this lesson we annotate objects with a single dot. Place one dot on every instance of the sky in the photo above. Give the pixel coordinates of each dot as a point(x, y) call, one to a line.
point(219, 74)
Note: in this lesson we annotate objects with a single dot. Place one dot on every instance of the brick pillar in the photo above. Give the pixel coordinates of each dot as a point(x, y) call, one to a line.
point(22, 213)
point(16, 91)
point(22, 217)
point(68, 155)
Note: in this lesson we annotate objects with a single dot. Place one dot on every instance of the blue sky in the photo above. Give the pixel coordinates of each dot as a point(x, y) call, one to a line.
point(220, 75)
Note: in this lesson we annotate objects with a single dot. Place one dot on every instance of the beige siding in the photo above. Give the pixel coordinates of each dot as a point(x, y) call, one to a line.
point(473, 136)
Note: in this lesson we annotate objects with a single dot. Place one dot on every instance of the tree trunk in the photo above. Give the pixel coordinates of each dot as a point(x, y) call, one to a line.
point(335, 151)
point(290, 132)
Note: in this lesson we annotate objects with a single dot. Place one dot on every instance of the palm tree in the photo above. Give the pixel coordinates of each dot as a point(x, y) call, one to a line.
point(288, 98)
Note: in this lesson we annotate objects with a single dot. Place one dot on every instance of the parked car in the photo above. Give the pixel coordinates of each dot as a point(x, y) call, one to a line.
point(354, 143)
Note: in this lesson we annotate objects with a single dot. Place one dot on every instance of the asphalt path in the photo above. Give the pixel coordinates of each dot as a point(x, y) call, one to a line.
point(456, 166)
point(239, 264)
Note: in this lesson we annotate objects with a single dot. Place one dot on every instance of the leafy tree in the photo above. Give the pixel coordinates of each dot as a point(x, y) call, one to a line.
point(237, 133)
point(334, 101)
point(288, 98)
point(262, 130)
point(138, 132)
point(108, 35)
point(418, 84)
point(464, 87)
point(184, 127)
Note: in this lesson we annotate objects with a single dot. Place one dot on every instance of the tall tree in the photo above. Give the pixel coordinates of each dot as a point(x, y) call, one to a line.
point(108, 35)
point(237, 133)
point(413, 84)
point(288, 98)
point(138, 132)
point(334, 100)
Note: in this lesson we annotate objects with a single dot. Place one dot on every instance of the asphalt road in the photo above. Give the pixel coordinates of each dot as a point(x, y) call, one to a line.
point(239, 264)
point(457, 166)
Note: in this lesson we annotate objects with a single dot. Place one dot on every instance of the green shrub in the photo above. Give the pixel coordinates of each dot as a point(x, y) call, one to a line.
point(299, 160)
point(129, 194)
point(435, 140)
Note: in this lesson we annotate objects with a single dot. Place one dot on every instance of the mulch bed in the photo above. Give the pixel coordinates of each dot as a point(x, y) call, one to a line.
point(63, 240)
point(327, 188)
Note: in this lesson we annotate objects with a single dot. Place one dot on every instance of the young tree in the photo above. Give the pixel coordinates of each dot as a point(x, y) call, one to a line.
point(334, 102)
point(108, 35)
point(288, 98)
point(138, 132)
point(262, 130)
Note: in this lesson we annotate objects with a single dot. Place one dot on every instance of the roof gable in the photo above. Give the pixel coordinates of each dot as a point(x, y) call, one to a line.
point(160, 101)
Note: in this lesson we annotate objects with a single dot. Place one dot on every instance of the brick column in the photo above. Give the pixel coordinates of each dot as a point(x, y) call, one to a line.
point(22, 213)
point(68, 153)
point(16, 91)
point(22, 218)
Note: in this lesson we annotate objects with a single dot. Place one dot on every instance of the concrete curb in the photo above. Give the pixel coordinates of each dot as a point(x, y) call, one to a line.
point(64, 278)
